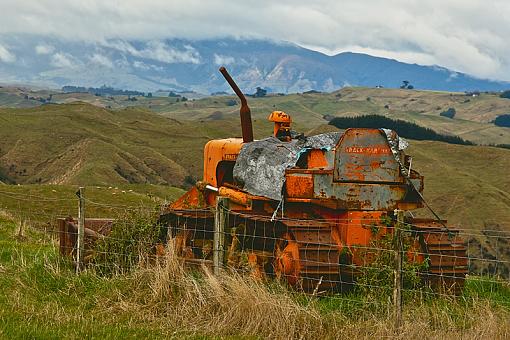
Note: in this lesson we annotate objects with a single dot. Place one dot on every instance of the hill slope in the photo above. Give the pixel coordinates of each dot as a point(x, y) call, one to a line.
point(472, 121)
point(84, 144)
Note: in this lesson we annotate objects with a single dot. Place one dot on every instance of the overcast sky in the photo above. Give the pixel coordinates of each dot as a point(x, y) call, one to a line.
point(465, 35)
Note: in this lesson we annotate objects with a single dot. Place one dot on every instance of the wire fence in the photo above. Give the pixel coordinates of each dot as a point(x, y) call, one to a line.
point(331, 257)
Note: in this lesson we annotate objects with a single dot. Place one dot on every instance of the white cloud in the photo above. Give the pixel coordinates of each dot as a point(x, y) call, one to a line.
point(223, 60)
point(44, 49)
point(122, 63)
point(157, 50)
point(143, 66)
point(468, 36)
point(6, 56)
point(63, 60)
point(101, 60)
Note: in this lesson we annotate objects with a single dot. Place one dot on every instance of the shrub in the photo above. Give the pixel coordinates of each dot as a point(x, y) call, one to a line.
point(260, 92)
point(503, 120)
point(133, 237)
point(505, 94)
point(377, 276)
point(450, 113)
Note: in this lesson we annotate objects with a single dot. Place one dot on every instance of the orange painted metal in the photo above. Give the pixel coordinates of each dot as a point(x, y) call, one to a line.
point(257, 261)
point(287, 260)
point(299, 186)
point(281, 122)
point(316, 159)
point(353, 186)
point(216, 151)
point(356, 230)
point(193, 199)
point(236, 196)
point(364, 155)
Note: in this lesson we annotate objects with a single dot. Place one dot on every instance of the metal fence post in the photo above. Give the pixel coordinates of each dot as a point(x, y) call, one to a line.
point(80, 246)
point(220, 223)
point(397, 285)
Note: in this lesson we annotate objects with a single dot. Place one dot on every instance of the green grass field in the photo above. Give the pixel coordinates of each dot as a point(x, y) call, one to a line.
point(472, 120)
point(42, 298)
point(42, 204)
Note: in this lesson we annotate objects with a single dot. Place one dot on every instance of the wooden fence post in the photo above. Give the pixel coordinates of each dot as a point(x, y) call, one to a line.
point(220, 224)
point(80, 246)
point(397, 285)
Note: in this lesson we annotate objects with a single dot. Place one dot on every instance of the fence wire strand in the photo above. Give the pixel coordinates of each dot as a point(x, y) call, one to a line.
point(313, 256)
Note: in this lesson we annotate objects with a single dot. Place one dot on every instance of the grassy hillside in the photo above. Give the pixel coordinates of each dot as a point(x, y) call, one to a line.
point(467, 184)
point(472, 120)
point(40, 205)
point(80, 143)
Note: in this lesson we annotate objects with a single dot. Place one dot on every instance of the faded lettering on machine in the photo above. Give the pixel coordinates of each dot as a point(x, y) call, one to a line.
point(368, 150)
point(230, 156)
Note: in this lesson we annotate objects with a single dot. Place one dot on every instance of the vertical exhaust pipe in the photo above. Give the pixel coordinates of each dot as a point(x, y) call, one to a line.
point(244, 112)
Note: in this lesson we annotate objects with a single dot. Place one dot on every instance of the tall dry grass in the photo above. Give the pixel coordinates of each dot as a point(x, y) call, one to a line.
point(191, 303)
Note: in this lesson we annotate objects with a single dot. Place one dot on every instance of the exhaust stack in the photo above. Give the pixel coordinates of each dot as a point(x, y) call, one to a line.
point(244, 112)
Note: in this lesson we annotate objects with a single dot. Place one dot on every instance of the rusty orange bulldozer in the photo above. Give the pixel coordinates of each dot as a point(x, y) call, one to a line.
point(308, 209)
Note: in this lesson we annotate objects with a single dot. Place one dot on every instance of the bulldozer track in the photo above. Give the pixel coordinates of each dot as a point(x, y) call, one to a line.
point(190, 226)
point(317, 257)
point(307, 257)
point(446, 254)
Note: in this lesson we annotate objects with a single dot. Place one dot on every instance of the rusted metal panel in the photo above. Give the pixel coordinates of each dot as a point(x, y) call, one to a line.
point(317, 159)
point(193, 199)
point(365, 155)
point(359, 196)
point(299, 185)
point(67, 238)
point(216, 151)
point(68, 232)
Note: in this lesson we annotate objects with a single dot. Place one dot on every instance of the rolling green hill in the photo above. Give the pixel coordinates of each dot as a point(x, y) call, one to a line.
point(472, 121)
point(80, 143)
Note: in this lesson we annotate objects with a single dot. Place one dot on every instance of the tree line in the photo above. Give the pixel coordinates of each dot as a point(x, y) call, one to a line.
point(403, 128)
point(102, 91)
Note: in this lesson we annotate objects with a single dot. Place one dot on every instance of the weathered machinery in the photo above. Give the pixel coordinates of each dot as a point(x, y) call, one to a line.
point(309, 209)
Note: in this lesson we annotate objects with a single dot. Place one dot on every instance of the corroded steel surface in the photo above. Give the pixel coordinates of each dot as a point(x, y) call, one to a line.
point(364, 155)
point(359, 196)
point(308, 253)
point(94, 227)
point(245, 112)
point(282, 189)
point(446, 254)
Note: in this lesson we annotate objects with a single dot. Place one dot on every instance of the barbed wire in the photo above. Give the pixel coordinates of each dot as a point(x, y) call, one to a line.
point(26, 196)
point(262, 235)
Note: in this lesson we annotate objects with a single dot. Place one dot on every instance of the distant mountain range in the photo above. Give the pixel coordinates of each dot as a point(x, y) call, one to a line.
point(183, 65)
